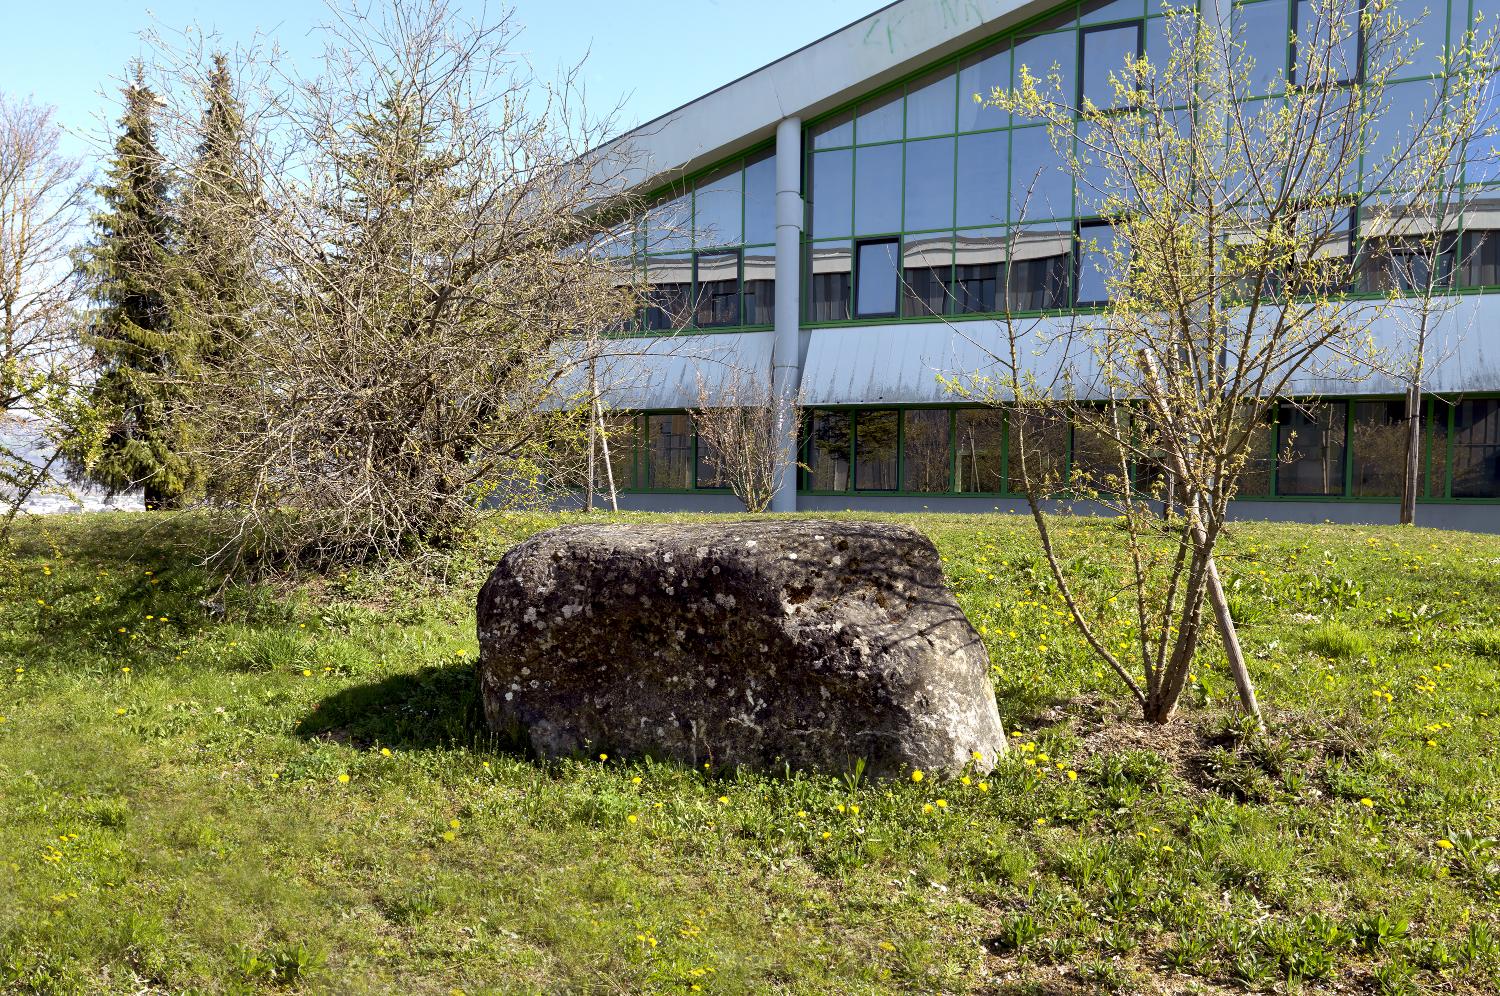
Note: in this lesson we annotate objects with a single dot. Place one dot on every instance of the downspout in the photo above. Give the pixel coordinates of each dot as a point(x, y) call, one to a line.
point(786, 360)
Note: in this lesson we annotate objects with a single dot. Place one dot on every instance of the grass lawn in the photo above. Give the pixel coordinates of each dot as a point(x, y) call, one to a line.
point(291, 789)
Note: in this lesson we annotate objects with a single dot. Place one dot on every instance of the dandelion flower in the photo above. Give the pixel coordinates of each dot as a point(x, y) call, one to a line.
point(926, 807)
point(724, 800)
point(917, 775)
point(941, 803)
point(455, 824)
point(984, 786)
point(604, 757)
point(636, 780)
point(385, 752)
point(1072, 776)
point(343, 779)
point(1445, 844)
point(631, 818)
point(1367, 802)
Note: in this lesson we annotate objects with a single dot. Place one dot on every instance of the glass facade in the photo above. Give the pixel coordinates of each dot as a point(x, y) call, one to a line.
point(1332, 448)
point(921, 202)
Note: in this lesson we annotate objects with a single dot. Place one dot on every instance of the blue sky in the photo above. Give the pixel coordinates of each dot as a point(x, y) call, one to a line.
point(652, 54)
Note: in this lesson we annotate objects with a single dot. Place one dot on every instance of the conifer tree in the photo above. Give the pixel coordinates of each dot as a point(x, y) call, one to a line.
point(139, 352)
point(217, 227)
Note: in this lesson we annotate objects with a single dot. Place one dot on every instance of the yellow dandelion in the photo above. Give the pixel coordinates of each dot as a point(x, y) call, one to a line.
point(385, 752)
point(917, 775)
point(631, 818)
point(1367, 802)
point(343, 779)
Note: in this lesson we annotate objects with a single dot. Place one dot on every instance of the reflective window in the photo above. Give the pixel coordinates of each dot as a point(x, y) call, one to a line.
point(1041, 441)
point(670, 225)
point(983, 172)
point(619, 438)
point(1101, 11)
point(829, 266)
point(875, 462)
point(877, 189)
point(834, 132)
point(1406, 265)
point(931, 104)
point(1262, 30)
point(668, 299)
point(1040, 260)
point(1435, 421)
point(1106, 51)
point(1404, 113)
point(1379, 448)
point(832, 192)
point(980, 433)
point(708, 472)
point(1326, 43)
point(826, 453)
point(924, 441)
point(1040, 185)
point(760, 200)
point(1096, 455)
point(980, 74)
point(925, 272)
point(1040, 56)
point(879, 120)
point(1097, 241)
point(929, 184)
point(718, 290)
point(1428, 34)
point(978, 275)
point(760, 287)
point(1482, 251)
point(875, 287)
point(1476, 449)
point(1255, 473)
point(669, 452)
point(717, 204)
point(1310, 449)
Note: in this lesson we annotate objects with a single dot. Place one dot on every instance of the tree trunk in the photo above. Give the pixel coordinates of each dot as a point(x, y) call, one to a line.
point(1413, 477)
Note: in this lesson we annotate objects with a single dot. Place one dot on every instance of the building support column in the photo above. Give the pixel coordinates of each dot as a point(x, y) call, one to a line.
point(786, 348)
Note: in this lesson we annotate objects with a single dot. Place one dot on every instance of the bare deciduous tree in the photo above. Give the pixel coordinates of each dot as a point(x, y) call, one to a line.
point(40, 205)
point(426, 274)
point(740, 426)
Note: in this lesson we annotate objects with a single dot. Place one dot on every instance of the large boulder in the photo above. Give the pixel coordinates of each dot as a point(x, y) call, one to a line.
point(802, 642)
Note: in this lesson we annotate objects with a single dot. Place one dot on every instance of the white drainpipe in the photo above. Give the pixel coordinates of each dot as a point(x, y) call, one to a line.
point(786, 350)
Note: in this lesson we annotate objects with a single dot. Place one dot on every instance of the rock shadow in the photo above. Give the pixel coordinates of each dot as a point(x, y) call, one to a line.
point(430, 709)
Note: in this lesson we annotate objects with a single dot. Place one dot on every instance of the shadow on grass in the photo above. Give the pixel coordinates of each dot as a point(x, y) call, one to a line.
point(432, 709)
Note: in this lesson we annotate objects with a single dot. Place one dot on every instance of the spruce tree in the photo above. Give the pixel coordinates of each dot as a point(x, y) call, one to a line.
point(217, 212)
point(139, 351)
